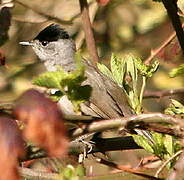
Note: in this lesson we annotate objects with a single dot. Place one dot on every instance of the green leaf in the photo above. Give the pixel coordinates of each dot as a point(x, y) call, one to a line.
point(132, 71)
point(56, 96)
point(117, 68)
point(177, 71)
point(80, 171)
point(141, 66)
point(125, 72)
point(72, 173)
point(168, 142)
point(73, 79)
point(50, 79)
point(80, 93)
point(105, 70)
point(143, 142)
point(158, 138)
point(146, 70)
point(164, 146)
point(152, 68)
point(175, 108)
point(69, 84)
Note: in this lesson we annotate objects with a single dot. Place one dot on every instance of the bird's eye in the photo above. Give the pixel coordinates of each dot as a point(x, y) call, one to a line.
point(44, 43)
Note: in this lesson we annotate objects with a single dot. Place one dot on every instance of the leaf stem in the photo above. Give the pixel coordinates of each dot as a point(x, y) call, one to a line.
point(142, 91)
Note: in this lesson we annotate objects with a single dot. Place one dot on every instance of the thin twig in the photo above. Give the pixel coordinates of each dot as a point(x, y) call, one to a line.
point(142, 89)
point(129, 170)
point(166, 162)
point(93, 8)
point(172, 10)
point(162, 93)
point(47, 16)
point(177, 172)
point(90, 41)
point(20, 19)
point(161, 47)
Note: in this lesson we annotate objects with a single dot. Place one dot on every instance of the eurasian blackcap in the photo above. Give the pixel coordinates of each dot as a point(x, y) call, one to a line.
point(54, 47)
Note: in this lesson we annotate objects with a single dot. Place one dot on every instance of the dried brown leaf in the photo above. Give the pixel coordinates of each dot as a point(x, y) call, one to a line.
point(44, 122)
point(12, 147)
point(103, 2)
point(2, 58)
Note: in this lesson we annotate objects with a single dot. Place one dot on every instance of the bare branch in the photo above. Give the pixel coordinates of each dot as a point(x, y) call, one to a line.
point(44, 14)
point(129, 170)
point(159, 94)
point(172, 10)
point(178, 170)
point(90, 41)
point(161, 47)
point(93, 7)
point(166, 162)
point(131, 122)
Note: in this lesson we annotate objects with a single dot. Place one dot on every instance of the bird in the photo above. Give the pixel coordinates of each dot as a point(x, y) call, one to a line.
point(54, 47)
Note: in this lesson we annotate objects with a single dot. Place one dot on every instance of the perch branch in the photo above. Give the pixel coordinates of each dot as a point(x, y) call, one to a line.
point(102, 125)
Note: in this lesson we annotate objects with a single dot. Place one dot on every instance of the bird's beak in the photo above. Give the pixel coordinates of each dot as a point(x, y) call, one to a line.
point(26, 43)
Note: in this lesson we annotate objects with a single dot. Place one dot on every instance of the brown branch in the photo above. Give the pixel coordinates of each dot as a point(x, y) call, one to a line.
point(143, 120)
point(90, 41)
point(36, 21)
point(178, 170)
point(162, 93)
point(123, 168)
point(47, 16)
point(93, 8)
point(20, 19)
point(172, 11)
point(167, 161)
point(161, 47)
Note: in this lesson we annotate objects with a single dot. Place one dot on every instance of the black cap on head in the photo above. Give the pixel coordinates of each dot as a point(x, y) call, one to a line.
point(52, 32)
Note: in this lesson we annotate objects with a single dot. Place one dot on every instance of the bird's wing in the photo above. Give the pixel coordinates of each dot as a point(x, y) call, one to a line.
point(108, 100)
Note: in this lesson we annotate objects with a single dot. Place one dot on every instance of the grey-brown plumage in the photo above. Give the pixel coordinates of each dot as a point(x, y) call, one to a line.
point(54, 47)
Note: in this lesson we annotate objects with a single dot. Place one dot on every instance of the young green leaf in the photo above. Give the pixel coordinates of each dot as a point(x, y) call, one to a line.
point(177, 71)
point(50, 79)
point(146, 70)
point(143, 142)
point(175, 108)
point(117, 68)
point(105, 70)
